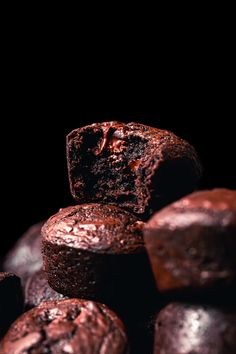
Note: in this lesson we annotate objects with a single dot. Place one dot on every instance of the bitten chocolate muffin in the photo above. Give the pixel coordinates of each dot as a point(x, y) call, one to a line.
point(37, 290)
point(95, 251)
point(69, 326)
point(11, 300)
point(24, 259)
point(130, 165)
point(195, 329)
point(191, 243)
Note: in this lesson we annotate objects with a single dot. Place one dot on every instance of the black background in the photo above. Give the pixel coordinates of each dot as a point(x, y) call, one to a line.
point(53, 84)
point(173, 70)
point(35, 173)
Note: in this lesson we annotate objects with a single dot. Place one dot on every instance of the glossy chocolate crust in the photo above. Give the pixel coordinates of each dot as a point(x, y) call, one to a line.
point(191, 243)
point(11, 300)
point(24, 259)
point(67, 326)
point(91, 250)
point(195, 329)
point(130, 165)
point(37, 290)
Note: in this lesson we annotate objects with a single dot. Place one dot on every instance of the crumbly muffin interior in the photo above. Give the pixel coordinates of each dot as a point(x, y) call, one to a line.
point(109, 164)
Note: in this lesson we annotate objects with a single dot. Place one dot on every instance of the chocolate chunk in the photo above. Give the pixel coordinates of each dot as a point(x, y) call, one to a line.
point(11, 300)
point(130, 165)
point(191, 243)
point(67, 326)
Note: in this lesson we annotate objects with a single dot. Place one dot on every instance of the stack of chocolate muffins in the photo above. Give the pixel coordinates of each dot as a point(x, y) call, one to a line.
point(96, 293)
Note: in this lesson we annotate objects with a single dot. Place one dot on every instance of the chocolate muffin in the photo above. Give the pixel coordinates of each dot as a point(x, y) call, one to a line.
point(67, 326)
point(96, 252)
point(130, 165)
point(24, 259)
point(37, 290)
point(195, 329)
point(191, 243)
point(11, 300)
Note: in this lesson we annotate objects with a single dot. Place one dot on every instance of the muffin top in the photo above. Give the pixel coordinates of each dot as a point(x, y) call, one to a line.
point(24, 259)
point(114, 133)
point(68, 326)
point(96, 228)
point(208, 207)
point(193, 328)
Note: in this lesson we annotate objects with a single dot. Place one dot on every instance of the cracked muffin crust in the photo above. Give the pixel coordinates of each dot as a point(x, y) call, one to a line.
point(24, 259)
point(95, 251)
point(130, 165)
point(70, 326)
point(191, 243)
point(195, 329)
